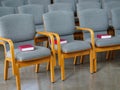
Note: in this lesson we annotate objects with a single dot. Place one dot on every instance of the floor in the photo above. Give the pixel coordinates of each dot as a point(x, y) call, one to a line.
point(77, 76)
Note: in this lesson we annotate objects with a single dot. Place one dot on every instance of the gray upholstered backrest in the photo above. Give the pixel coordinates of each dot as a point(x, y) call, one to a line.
point(61, 22)
point(60, 6)
point(116, 18)
point(95, 19)
point(6, 11)
point(45, 3)
point(88, 5)
point(18, 27)
point(79, 1)
point(72, 2)
point(36, 10)
point(12, 3)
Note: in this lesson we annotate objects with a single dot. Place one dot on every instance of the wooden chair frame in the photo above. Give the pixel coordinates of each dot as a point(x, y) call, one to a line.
point(62, 56)
point(19, 64)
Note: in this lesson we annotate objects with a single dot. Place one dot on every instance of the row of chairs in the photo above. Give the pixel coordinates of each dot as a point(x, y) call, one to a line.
point(57, 24)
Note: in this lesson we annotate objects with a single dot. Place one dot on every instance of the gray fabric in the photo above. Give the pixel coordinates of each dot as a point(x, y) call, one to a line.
point(79, 1)
point(108, 42)
point(95, 19)
point(88, 5)
point(16, 25)
point(12, 3)
point(111, 5)
point(61, 22)
point(75, 46)
point(116, 18)
point(72, 2)
point(45, 3)
point(29, 55)
point(6, 11)
point(60, 6)
point(36, 10)
point(39, 28)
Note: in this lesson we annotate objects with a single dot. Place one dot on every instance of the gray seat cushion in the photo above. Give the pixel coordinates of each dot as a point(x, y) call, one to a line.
point(108, 42)
point(39, 52)
point(75, 46)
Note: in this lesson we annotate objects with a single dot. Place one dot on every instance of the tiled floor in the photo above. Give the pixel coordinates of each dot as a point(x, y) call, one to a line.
point(77, 76)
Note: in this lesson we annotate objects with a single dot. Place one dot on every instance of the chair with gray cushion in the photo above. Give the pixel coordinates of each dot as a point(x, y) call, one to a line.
point(97, 20)
point(21, 32)
point(60, 6)
point(45, 3)
point(61, 25)
point(12, 3)
point(6, 11)
point(115, 13)
point(79, 1)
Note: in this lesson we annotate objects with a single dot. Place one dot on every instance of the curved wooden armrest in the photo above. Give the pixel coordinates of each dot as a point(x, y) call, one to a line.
point(51, 39)
point(91, 34)
point(11, 45)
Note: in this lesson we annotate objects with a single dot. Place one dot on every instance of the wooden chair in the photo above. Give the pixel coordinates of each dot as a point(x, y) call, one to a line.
point(22, 31)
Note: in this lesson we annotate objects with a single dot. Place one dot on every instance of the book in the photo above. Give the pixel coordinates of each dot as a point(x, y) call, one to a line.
point(62, 41)
point(26, 47)
point(102, 36)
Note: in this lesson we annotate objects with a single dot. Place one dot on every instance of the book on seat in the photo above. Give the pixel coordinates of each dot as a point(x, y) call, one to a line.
point(102, 36)
point(26, 47)
point(62, 41)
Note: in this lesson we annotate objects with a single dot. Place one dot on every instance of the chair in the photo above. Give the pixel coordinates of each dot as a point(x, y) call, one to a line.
point(72, 2)
point(97, 20)
point(61, 25)
point(79, 1)
point(12, 3)
point(115, 14)
point(45, 3)
point(6, 11)
point(21, 31)
point(60, 6)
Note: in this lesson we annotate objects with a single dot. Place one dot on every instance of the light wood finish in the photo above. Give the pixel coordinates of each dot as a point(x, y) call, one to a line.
point(16, 64)
point(62, 55)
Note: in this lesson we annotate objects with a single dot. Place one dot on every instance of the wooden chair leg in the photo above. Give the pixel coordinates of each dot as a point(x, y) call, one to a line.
point(18, 84)
point(62, 67)
point(48, 66)
point(95, 63)
point(91, 62)
point(51, 65)
point(37, 67)
point(6, 65)
point(75, 60)
point(81, 59)
point(107, 55)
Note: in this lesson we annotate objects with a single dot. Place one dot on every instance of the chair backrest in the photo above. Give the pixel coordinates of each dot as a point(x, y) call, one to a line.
point(60, 6)
point(116, 19)
point(36, 10)
point(79, 1)
point(6, 11)
point(45, 3)
point(110, 5)
point(95, 19)
point(72, 2)
point(20, 27)
point(61, 22)
point(88, 5)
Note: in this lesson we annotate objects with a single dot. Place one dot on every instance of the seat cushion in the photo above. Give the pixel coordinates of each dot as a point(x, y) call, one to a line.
point(75, 46)
point(39, 52)
point(108, 41)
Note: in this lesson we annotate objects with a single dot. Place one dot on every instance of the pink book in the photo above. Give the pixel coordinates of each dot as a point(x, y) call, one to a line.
point(62, 41)
point(26, 47)
point(103, 36)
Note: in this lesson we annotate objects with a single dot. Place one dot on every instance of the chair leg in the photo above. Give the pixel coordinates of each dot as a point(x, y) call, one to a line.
point(62, 69)
point(91, 62)
point(37, 67)
point(51, 65)
point(18, 84)
point(75, 60)
point(48, 66)
point(95, 63)
point(6, 69)
point(81, 59)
